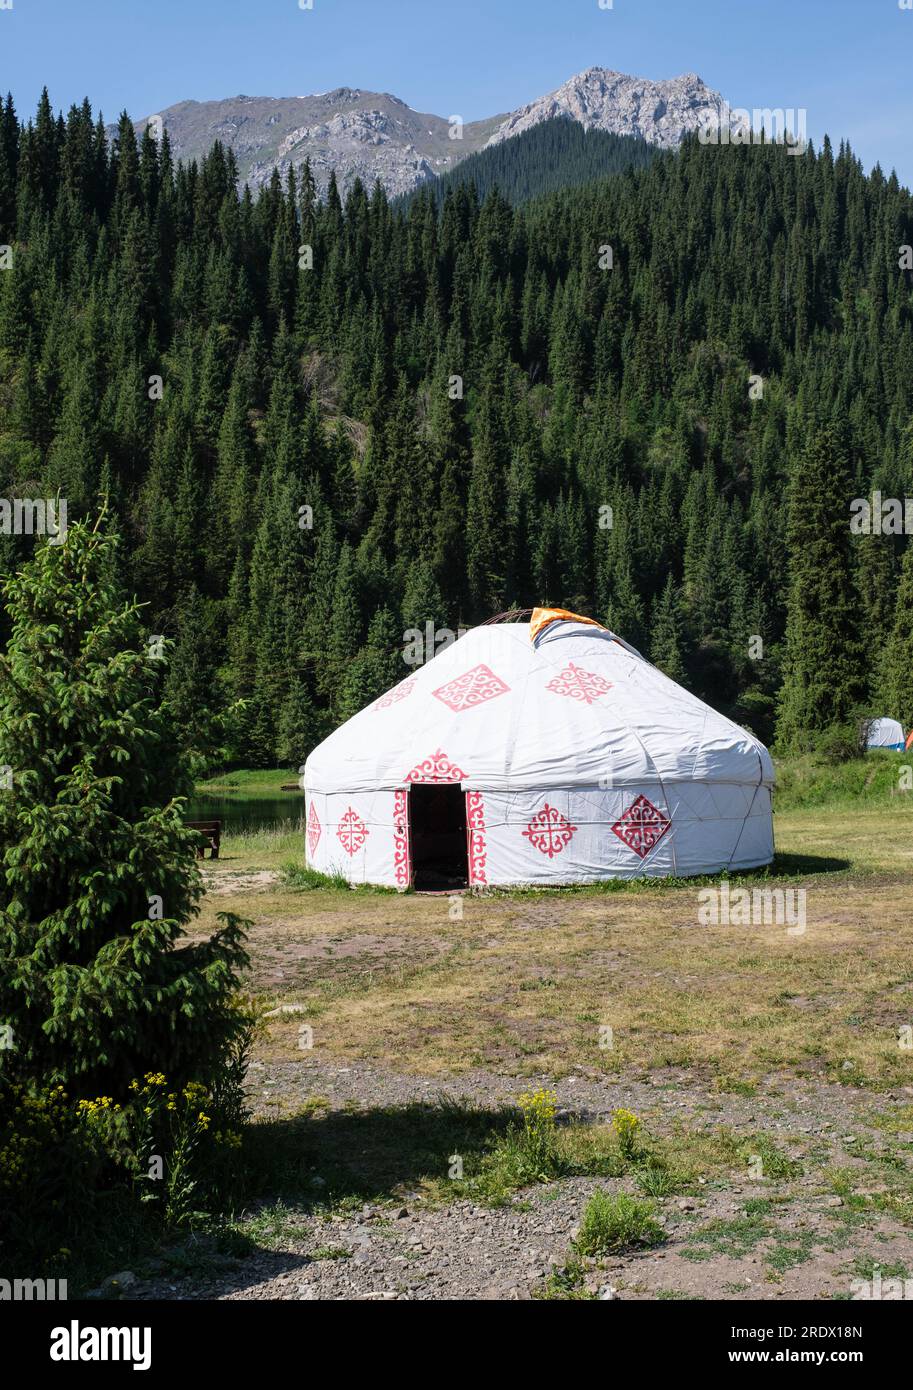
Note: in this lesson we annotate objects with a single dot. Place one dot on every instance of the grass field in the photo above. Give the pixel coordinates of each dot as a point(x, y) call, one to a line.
point(251, 782)
point(525, 980)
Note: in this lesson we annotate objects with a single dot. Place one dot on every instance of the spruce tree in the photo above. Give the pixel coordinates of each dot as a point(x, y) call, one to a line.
point(825, 667)
point(378, 665)
point(98, 876)
point(897, 687)
point(666, 644)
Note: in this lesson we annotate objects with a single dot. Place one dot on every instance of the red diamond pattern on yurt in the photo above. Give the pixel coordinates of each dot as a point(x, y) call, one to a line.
point(314, 828)
point(352, 832)
point(579, 684)
point(471, 689)
point(641, 826)
point(550, 831)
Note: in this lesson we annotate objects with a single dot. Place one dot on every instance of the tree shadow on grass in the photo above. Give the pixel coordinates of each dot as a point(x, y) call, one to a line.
point(297, 1168)
point(343, 1157)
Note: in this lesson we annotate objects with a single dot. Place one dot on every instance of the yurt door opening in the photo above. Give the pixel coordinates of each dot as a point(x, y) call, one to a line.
point(437, 835)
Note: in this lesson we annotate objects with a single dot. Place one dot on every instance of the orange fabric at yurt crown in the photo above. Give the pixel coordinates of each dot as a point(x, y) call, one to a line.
point(543, 616)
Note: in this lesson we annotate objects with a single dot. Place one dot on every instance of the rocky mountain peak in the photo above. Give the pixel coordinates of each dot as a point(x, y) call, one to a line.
point(661, 112)
point(375, 135)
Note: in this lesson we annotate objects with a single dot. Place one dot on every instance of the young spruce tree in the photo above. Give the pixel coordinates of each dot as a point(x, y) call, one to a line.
point(97, 872)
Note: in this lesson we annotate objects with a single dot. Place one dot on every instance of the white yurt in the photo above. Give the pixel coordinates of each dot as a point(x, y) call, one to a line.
point(885, 733)
point(547, 752)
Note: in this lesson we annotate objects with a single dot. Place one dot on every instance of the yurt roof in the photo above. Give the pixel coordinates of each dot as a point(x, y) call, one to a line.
point(572, 706)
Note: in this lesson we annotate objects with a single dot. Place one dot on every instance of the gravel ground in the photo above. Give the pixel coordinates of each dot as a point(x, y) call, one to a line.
point(406, 1248)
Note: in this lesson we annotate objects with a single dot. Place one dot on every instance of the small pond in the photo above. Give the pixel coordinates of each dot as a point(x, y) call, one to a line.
point(240, 812)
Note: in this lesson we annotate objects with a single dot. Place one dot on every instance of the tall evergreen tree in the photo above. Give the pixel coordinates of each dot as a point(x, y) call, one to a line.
point(825, 669)
point(897, 680)
point(666, 635)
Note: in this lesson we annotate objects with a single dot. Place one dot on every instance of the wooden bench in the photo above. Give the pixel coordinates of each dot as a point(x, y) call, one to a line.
point(212, 830)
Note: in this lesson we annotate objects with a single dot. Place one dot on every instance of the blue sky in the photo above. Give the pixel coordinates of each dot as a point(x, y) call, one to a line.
point(847, 62)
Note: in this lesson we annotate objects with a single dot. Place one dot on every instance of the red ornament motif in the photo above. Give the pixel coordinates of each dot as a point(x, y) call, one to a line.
point(641, 826)
point(314, 829)
point(352, 832)
point(399, 692)
point(579, 684)
point(471, 689)
point(437, 768)
point(475, 825)
point(550, 831)
point(402, 869)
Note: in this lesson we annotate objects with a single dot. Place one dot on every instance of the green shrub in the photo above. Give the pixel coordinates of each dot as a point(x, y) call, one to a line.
point(843, 743)
point(177, 1147)
point(50, 1169)
point(521, 1154)
point(611, 1224)
point(303, 878)
point(80, 1175)
point(537, 1144)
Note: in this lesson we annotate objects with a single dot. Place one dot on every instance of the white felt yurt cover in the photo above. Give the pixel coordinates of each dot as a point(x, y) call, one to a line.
point(579, 760)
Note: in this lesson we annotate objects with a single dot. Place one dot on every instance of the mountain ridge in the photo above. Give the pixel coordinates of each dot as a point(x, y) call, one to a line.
point(359, 134)
point(603, 99)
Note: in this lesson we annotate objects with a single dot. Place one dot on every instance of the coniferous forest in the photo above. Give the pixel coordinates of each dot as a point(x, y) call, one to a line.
point(320, 423)
point(558, 153)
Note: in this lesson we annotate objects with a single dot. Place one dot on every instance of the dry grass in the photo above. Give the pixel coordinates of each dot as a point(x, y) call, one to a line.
point(872, 838)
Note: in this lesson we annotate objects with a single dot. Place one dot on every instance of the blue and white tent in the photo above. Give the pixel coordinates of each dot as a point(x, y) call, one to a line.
point(885, 733)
